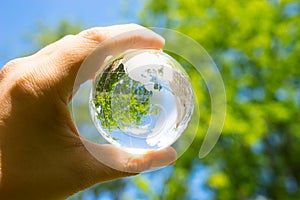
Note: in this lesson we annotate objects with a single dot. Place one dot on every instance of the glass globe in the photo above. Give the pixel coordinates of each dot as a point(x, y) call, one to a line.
point(141, 100)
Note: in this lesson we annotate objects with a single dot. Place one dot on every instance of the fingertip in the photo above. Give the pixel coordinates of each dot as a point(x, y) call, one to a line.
point(147, 38)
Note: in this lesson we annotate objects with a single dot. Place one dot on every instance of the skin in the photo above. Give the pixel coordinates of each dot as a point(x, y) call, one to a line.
point(41, 154)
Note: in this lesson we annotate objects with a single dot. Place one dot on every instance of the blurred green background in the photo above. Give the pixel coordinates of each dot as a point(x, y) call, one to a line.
point(256, 46)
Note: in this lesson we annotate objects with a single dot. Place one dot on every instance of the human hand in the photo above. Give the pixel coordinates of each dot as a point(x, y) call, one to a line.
point(41, 153)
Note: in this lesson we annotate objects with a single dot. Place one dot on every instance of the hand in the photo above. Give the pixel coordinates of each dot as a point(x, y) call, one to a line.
point(41, 154)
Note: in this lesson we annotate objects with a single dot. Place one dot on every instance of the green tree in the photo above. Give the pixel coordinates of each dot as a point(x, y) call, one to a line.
point(256, 47)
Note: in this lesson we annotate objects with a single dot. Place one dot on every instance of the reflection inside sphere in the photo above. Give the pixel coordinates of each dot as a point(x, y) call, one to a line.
point(141, 100)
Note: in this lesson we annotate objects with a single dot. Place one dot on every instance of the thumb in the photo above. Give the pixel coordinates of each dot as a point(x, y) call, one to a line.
point(101, 163)
point(117, 159)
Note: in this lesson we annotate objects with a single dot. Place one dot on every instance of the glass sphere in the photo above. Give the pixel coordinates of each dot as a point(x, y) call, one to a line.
point(141, 100)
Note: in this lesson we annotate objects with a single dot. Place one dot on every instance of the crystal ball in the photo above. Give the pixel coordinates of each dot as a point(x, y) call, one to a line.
point(141, 100)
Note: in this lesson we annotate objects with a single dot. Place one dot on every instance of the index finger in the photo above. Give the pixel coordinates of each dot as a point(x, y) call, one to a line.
point(79, 57)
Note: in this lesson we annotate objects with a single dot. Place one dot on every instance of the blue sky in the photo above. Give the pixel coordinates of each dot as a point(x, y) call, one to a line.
point(19, 19)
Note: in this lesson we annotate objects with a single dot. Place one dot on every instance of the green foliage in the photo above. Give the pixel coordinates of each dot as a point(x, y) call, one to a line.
point(256, 47)
point(119, 100)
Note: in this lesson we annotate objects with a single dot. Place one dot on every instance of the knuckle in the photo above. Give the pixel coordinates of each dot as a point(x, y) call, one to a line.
point(11, 64)
point(24, 84)
point(28, 84)
point(9, 68)
point(97, 34)
point(72, 50)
